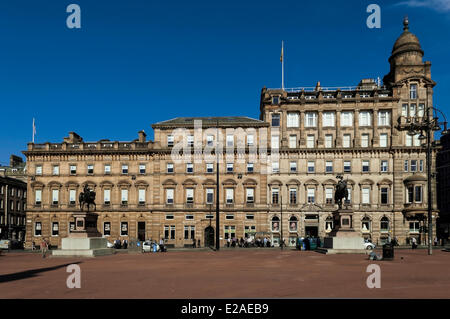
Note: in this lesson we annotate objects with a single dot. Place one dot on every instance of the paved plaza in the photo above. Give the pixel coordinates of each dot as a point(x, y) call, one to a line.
point(243, 273)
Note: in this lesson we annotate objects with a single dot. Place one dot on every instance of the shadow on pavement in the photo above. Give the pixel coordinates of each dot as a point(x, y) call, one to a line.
point(30, 273)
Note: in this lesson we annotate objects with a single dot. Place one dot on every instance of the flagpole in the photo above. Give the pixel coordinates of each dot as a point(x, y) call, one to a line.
point(282, 65)
point(33, 131)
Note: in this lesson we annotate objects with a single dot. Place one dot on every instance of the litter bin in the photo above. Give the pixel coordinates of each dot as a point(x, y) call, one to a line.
point(388, 252)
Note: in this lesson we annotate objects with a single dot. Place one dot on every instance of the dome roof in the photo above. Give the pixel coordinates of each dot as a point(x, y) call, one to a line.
point(407, 41)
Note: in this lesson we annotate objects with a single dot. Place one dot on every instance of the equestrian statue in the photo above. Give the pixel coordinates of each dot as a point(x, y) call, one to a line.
point(341, 191)
point(87, 197)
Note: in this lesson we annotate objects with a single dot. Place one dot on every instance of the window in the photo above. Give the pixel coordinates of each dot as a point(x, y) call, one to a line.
point(38, 196)
point(189, 217)
point(413, 91)
point(275, 224)
point(250, 167)
point(311, 166)
point(229, 167)
point(38, 169)
point(230, 140)
point(311, 192)
point(209, 195)
point(250, 140)
point(230, 232)
point(72, 196)
point(412, 110)
point(383, 140)
point(384, 195)
point(124, 229)
point(189, 195)
point(107, 228)
point(209, 140)
point(275, 167)
point(73, 170)
point(55, 229)
point(293, 167)
point(365, 166)
point(347, 166)
point(383, 118)
point(141, 196)
point(421, 110)
point(124, 193)
point(209, 167)
point(55, 169)
point(170, 140)
point(405, 110)
point(169, 195)
point(414, 227)
point(384, 166)
point(275, 119)
point(413, 165)
point(229, 216)
point(293, 224)
point(189, 232)
point(250, 195)
point(384, 224)
point(406, 165)
point(416, 140)
point(365, 225)
point(365, 140)
point(275, 141)
point(329, 224)
point(410, 194)
point(250, 216)
point(366, 195)
point(142, 168)
point(190, 140)
point(166, 232)
point(310, 143)
point(169, 216)
point(292, 119)
point(169, 167)
point(37, 229)
point(311, 119)
point(418, 193)
point(107, 169)
point(329, 167)
point(189, 168)
point(328, 140)
point(346, 141)
point(328, 118)
point(124, 169)
point(293, 195)
point(408, 141)
point(364, 118)
point(229, 195)
point(275, 100)
point(347, 118)
point(249, 230)
point(107, 196)
point(349, 198)
point(275, 195)
point(55, 196)
point(421, 165)
point(329, 196)
point(292, 141)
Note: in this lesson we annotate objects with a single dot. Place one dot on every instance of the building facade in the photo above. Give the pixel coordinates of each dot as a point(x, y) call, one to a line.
point(443, 186)
point(277, 173)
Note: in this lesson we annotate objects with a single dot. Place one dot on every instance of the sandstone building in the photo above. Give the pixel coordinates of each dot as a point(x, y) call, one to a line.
point(277, 173)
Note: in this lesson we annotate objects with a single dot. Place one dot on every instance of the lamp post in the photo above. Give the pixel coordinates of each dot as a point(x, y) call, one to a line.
point(281, 220)
point(427, 125)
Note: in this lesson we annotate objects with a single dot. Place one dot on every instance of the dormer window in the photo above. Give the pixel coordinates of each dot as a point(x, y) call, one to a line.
point(275, 100)
point(275, 119)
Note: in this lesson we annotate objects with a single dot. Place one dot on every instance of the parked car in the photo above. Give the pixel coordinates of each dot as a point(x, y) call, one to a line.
point(149, 246)
point(369, 246)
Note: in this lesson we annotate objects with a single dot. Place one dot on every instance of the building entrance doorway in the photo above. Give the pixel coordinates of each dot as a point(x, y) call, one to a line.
point(141, 231)
point(312, 231)
point(209, 236)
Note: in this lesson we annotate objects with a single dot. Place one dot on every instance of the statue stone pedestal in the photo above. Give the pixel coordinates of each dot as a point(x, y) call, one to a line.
point(84, 240)
point(343, 239)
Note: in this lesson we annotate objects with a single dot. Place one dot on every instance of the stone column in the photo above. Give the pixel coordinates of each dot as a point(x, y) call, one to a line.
point(338, 130)
point(375, 134)
point(302, 128)
point(357, 139)
point(319, 131)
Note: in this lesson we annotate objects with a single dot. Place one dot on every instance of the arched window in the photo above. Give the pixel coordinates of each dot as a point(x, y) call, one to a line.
point(384, 224)
point(365, 224)
point(293, 223)
point(275, 224)
point(329, 224)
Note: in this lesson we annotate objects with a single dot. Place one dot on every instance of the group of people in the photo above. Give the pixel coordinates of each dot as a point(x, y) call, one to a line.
point(305, 242)
point(249, 242)
point(119, 245)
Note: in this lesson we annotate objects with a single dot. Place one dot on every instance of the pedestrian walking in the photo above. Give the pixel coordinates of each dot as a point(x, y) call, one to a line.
point(307, 243)
point(198, 243)
point(44, 247)
point(33, 246)
point(228, 242)
point(414, 243)
point(194, 243)
point(161, 245)
point(318, 242)
point(435, 241)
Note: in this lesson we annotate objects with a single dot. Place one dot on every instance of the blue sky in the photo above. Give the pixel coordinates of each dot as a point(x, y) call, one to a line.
point(137, 62)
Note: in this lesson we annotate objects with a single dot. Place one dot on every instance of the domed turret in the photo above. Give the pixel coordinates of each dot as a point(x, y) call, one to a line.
point(407, 42)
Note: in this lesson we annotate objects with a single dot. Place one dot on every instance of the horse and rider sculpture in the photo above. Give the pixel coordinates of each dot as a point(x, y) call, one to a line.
point(87, 197)
point(341, 191)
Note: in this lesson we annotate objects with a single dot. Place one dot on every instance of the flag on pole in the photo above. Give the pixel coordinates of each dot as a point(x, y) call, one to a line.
point(282, 65)
point(34, 129)
point(282, 52)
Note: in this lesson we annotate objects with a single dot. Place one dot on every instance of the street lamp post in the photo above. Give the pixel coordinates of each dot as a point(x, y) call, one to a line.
point(428, 125)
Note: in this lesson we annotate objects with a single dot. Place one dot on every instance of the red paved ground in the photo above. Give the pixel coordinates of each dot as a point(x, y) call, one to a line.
point(227, 274)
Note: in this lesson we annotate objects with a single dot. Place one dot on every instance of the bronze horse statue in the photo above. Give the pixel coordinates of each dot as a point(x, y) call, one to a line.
point(87, 197)
point(341, 191)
